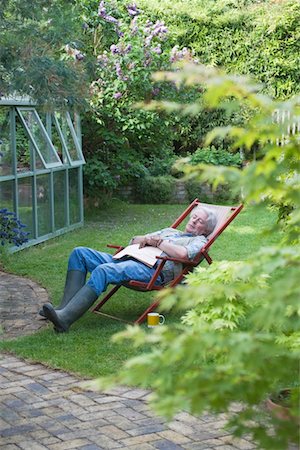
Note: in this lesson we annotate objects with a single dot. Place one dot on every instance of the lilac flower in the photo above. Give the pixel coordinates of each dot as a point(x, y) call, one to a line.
point(114, 49)
point(128, 48)
point(132, 10)
point(118, 95)
point(133, 26)
point(178, 55)
point(101, 9)
point(119, 70)
point(79, 56)
point(102, 13)
point(148, 40)
point(157, 49)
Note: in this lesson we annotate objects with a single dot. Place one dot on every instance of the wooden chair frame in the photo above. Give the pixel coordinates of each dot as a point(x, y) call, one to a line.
point(225, 215)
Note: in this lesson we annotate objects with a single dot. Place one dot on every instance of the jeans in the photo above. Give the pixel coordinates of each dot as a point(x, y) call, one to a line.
point(105, 270)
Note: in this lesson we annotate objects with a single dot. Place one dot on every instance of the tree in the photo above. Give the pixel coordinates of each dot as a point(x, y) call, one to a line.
point(239, 335)
point(36, 58)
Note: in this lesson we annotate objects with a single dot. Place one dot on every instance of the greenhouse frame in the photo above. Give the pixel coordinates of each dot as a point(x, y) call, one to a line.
point(41, 164)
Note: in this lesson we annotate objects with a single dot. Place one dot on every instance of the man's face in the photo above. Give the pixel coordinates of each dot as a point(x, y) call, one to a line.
point(197, 223)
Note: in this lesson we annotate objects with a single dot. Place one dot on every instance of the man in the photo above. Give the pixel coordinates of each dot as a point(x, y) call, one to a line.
point(79, 296)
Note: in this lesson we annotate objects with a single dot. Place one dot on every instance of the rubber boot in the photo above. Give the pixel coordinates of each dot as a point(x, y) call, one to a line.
point(80, 303)
point(75, 279)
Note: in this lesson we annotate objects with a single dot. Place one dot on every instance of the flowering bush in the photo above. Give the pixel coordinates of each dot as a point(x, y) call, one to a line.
point(131, 47)
point(11, 229)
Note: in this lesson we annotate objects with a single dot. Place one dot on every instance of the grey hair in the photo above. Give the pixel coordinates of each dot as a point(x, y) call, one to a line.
point(211, 220)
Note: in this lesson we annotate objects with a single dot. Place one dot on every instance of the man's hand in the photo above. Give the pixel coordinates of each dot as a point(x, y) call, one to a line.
point(153, 241)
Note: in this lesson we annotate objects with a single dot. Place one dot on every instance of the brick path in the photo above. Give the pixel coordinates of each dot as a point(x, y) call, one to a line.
point(44, 408)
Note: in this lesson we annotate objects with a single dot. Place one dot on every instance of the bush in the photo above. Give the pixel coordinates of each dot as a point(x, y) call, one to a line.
point(11, 229)
point(216, 156)
point(155, 189)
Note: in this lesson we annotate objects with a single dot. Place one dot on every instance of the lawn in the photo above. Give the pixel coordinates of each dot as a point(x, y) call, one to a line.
point(87, 348)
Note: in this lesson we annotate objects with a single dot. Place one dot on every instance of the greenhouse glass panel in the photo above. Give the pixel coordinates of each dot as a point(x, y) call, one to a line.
point(24, 149)
point(43, 196)
point(74, 195)
point(69, 137)
point(58, 142)
point(25, 204)
point(60, 195)
point(39, 137)
point(6, 195)
point(6, 167)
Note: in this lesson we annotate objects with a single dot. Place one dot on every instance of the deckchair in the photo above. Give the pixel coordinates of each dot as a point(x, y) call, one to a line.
point(225, 215)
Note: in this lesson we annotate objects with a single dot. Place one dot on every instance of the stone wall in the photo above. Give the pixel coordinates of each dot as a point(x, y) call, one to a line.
point(180, 193)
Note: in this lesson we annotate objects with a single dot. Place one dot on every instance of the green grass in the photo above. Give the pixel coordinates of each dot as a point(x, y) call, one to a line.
point(87, 349)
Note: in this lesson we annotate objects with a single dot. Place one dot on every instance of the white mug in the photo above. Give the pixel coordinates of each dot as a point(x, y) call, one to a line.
point(155, 319)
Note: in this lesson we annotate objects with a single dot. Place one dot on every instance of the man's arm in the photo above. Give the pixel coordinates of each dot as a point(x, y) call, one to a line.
point(172, 250)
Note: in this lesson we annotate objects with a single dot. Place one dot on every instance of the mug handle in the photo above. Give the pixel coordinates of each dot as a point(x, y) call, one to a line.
point(162, 319)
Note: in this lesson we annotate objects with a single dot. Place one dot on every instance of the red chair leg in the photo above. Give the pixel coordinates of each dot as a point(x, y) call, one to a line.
point(148, 310)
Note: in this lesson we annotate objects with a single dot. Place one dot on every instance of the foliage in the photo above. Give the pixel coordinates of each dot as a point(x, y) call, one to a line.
point(260, 38)
point(239, 339)
point(35, 58)
point(215, 156)
point(155, 189)
point(11, 229)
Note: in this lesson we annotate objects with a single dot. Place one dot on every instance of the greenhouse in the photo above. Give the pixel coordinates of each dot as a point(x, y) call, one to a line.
point(41, 168)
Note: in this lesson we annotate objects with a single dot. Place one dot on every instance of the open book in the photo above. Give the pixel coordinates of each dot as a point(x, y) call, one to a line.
point(146, 255)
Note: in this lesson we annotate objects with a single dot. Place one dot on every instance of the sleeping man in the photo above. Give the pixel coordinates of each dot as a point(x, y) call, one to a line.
point(79, 295)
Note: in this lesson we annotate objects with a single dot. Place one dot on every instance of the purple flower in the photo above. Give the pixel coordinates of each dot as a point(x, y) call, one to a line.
point(118, 70)
point(132, 10)
point(101, 9)
point(157, 49)
point(118, 95)
point(79, 56)
point(128, 49)
point(133, 26)
point(155, 91)
point(114, 49)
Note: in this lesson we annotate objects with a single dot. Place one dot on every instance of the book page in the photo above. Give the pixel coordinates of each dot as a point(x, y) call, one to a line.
point(147, 254)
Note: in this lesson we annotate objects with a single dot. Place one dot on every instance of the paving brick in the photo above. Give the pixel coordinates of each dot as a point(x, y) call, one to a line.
point(130, 413)
point(111, 430)
point(166, 445)
point(140, 439)
point(174, 437)
point(74, 443)
point(135, 393)
point(105, 442)
point(30, 445)
point(181, 428)
point(18, 430)
point(241, 444)
point(141, 447)
point(91, 447)
point(155, 428)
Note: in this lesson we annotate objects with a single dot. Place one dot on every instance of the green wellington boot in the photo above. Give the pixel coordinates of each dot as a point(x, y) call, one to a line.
point(75, 279)
point(80, 303)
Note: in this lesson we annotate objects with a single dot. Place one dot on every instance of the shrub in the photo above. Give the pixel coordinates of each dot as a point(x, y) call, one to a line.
point(11, 229)
point(155, 189)
point(216, 156)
